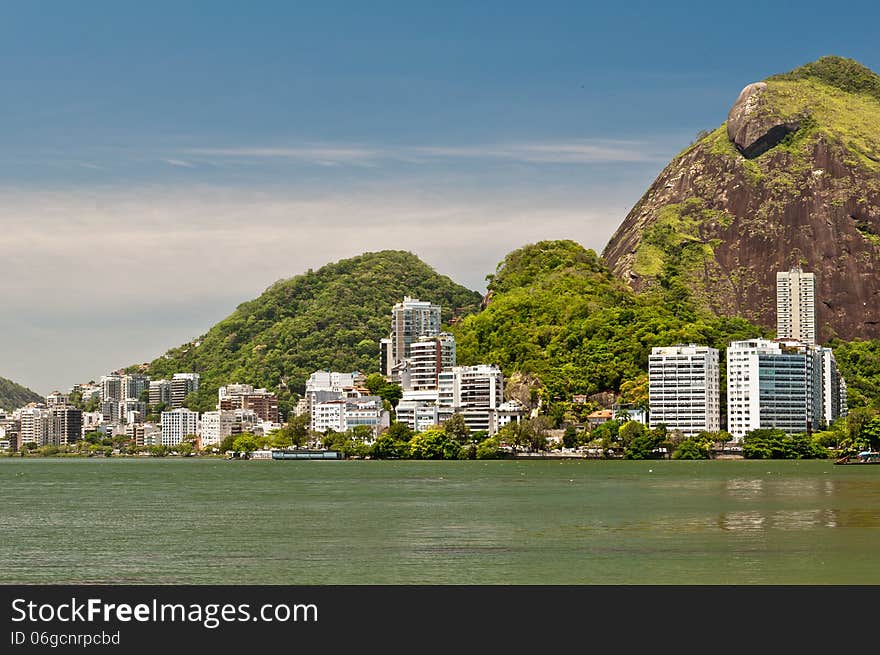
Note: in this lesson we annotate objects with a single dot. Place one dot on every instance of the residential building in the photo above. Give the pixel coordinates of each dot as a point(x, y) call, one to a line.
point(684, 390)
point(410, 320)
point(418, 409)
point(429, 356)
point(333, 381)
point(216, 426)
point(110, 411)
point(126, 408)
point(86, 390)
point(834, 404)
point(796, 306)
point(152, 435)
point(111, 388)
point(178, 424)
point(385, 356)
point(10, 429)
point(35, 422)
point(183, 384)
point(773, 384)
point(233, 390)
point(91, 421)
point(65, 425)
point(598, 417)
point(57, 398)
point(244, 396)
point(510, 411)
point(475, 392)
point(160, 393)
point(133, 385)
point(341, 414)
point(625, 412)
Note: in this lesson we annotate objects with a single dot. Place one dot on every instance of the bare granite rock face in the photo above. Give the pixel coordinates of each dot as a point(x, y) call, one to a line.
point(728, 223)
point(752, 127)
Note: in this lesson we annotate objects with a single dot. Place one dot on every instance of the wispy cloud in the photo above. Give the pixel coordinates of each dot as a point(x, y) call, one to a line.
point(316, 154)
point(561, 152)
point(179, 162)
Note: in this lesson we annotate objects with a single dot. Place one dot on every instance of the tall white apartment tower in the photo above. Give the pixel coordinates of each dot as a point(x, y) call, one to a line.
point(684, 388)
point(833, 387)
point(773, 384)
point(429, 357)
point(796, 306)
point(410, 320)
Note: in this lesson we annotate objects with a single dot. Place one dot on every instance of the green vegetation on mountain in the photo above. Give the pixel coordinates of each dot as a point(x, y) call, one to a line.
point(331, 318)
point(558, 316)
point(14, 395)
point(859, 363)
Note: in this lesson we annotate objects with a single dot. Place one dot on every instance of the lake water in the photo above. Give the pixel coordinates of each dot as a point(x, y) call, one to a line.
point(199, 521)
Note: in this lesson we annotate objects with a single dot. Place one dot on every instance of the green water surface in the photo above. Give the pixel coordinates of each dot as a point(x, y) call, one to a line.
point(199, 521)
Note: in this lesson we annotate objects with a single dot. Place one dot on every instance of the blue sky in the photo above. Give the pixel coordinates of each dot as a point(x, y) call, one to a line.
point(161, 162)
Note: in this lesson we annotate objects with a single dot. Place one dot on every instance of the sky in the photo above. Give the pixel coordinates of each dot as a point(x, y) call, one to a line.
point(162, 162)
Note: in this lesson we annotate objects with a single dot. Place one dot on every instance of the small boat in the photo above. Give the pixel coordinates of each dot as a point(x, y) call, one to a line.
point(864, 457)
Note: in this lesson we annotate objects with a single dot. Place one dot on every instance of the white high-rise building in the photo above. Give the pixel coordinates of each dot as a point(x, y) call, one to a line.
point(796, 306)
point(429, 356)
point(216, 426)
point(36, 424)
point(773, 384)
point(475, 392)
point(133, 385)
point(834, 403)
point(410, 320)
point(178, 424)
point(160, 392)
point(684, 389)
point(111, 388)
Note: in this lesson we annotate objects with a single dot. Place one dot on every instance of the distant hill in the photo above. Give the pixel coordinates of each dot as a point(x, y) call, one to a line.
point(14, 395)
point(791, 178)
point(331, 318)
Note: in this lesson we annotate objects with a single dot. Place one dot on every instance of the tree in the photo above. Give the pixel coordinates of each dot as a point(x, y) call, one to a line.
point(387, 391)
point(184, 448)
point(393, 443)
point(773, 443)
point(399, 431)
point(489, 448)
point(228, 443)
point(692, 448)
point(245, 443)
point(869, 434)
point(375, 382)
point(295, 433)
point(457, 430)
point(767, 443)
point(433, 444)
point(630, 431)
point(570, 437)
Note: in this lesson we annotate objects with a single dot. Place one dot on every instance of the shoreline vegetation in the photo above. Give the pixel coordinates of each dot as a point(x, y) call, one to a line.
point(533, 438)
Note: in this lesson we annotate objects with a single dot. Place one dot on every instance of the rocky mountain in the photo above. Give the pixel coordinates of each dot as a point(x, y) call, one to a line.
point(331, 318)
point(14, 395)
point(792, 177)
